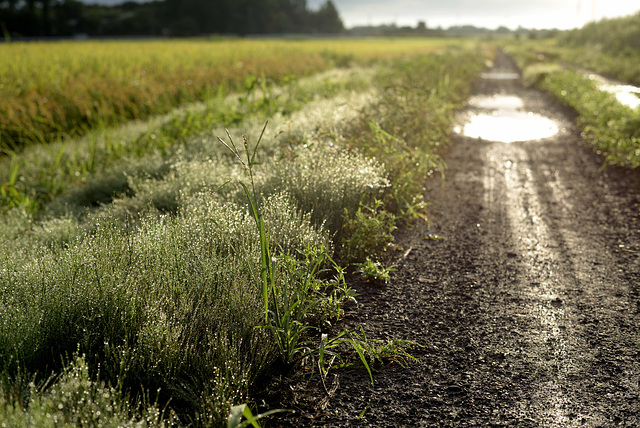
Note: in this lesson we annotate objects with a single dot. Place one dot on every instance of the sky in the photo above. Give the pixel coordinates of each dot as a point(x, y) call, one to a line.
point(540, 14)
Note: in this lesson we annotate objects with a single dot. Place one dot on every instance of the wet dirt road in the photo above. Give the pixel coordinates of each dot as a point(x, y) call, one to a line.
point(528, 309)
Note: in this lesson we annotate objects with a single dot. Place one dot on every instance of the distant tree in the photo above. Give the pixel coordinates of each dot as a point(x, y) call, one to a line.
point(68, 17)
point(46, 17)
point(32, 19)
point(10, 4)
point(327, 19)
point(178, 17)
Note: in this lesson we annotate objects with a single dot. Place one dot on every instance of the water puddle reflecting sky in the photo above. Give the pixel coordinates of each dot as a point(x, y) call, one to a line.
point(509, 126)
point(510, 102)
point(626, 94)
point(500, 75)
point(504, 120)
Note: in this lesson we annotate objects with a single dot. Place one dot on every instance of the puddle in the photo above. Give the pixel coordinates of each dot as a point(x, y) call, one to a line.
point(508, 126)
point(506, 121)
point(500, 75)
point(627, 95)
point(496, 102)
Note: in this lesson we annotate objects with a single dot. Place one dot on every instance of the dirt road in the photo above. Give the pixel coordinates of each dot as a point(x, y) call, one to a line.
point(528, 309)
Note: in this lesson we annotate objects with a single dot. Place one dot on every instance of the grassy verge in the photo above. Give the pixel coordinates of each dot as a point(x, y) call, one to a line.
point(609, 46)
point(150, 309)
point(417, 117)
point(610, 127)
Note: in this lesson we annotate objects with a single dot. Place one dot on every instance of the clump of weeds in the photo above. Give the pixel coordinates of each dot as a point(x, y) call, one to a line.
point(374, 271)
point(294, 292)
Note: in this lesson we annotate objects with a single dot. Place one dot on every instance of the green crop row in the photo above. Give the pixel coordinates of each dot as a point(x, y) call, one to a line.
point(53, 91)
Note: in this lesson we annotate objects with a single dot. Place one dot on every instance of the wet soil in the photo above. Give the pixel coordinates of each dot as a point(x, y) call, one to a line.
point(528, 311)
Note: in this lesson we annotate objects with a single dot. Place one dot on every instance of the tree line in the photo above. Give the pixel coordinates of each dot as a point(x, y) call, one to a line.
point(34, 18)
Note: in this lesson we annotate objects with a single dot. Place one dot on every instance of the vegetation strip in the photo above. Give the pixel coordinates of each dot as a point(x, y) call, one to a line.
point(51, 170)
point(611, 128)
point(155, 298)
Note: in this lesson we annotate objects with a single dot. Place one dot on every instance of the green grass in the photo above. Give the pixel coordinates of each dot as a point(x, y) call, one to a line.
point(163, 290)
point(416, 120)
point(104, 158)
point(612, 128)
point(73, 398)
point(609, 46)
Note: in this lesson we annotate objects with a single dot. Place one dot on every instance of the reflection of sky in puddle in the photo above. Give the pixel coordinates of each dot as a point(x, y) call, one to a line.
point(625, 94)
point(497, 102)
point(508, 126)
point(500, 75)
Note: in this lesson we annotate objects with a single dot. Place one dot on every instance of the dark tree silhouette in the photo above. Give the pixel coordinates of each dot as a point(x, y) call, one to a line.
point(173, 17)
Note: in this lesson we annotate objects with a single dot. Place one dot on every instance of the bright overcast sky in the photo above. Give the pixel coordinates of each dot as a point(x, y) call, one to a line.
point(561, 14)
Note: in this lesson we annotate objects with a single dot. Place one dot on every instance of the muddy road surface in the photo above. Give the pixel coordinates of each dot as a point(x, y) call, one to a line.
point(529, 309)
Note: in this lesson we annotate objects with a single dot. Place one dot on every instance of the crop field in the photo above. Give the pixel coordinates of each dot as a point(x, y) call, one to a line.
point(56, 90)
point(153, 270)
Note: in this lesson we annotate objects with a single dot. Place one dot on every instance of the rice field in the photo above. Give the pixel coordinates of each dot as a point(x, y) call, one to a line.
point(58, 90)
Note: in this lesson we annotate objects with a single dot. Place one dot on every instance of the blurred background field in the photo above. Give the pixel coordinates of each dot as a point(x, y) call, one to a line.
point(61, 89)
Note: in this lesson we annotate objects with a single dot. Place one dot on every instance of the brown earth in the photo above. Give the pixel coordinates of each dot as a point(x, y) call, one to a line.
point(528, 310)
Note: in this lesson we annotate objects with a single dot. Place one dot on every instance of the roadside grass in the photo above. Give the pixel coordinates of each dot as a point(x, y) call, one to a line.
point(623, 66)
point(171, 298)
point(609, 46)
point(73, 398)
point(612, 128)
point(409, 127)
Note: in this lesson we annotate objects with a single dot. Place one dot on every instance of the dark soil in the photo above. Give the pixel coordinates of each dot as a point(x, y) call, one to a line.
point(528, 311)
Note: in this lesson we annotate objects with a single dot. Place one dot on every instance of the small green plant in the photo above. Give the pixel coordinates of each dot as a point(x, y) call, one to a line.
point(368, 232)
point(379, 352)
point(374, 271)
point(370, 352)
point(241, 411)
point(290, 303)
